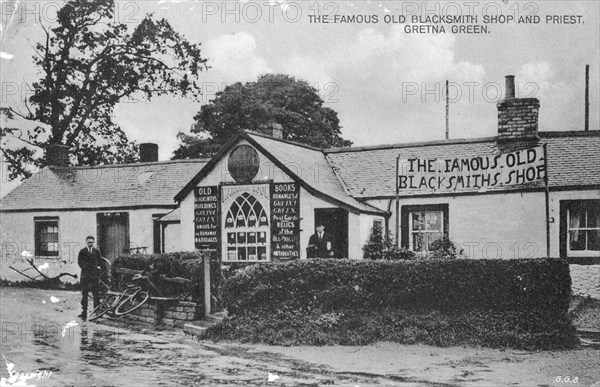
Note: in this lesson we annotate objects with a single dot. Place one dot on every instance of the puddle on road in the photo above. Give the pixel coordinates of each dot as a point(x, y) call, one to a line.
point(41, 337)
point(49, 337)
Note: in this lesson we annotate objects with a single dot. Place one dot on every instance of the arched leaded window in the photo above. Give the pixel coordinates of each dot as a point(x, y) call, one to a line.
point(247, 229)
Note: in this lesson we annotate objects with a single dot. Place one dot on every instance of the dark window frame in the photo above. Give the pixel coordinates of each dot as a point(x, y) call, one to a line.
point(44, 221)
point(565, 205)
point(404, 219)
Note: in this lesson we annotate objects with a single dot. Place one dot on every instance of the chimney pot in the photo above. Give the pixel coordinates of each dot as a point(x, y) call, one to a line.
point(510, 87)
point(148, 152)
point(57, 155)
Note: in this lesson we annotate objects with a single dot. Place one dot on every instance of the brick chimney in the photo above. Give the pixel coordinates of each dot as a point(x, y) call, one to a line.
point(148, 152)
point(57, 155)
point(272, 129)
point(276, 130)
point(517, 117)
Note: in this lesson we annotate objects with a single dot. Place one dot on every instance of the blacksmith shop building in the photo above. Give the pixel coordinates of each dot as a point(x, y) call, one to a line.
point(523, 193)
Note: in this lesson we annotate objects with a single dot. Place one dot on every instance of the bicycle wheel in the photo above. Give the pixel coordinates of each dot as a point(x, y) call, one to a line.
point(132, 302)
point(107, 304)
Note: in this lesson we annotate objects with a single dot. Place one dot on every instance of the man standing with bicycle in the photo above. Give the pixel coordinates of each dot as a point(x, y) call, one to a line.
point(89, 260)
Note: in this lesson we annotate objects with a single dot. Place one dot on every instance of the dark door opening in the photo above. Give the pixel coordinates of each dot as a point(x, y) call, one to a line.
point(113, 233)
point(335, 221)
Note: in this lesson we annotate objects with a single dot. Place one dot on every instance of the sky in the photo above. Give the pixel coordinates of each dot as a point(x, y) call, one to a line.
point(383, 72)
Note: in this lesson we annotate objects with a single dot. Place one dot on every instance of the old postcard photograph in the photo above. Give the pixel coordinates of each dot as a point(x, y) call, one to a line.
point(289, 193)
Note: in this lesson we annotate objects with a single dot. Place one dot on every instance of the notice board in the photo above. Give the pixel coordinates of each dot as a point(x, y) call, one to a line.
point(206, 218)
point(285, 221)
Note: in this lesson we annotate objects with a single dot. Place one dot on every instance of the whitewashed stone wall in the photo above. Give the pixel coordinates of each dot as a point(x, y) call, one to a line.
point(585, 280)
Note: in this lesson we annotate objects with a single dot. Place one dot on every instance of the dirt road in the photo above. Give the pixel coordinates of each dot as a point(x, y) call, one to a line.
point(40, 332)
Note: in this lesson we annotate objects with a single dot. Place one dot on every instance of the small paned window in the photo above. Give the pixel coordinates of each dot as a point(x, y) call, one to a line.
point(580, 228)
point(421, 225)
point(46, 237)
point(425, 227)
point(378, 223)
point(584, 229)
point(247, 229)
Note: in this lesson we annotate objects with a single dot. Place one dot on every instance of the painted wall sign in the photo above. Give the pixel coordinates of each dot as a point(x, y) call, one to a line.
point(472, 173)
point(285, 221)
point(243, 163)
point(206, 218)
point(227, 191)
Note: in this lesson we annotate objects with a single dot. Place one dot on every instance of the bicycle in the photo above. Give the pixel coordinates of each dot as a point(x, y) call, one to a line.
point(121, 303)
point(104, 276)
point(133, 301)
point(134, 296)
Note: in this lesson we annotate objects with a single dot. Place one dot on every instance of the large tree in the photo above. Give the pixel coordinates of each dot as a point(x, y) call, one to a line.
point(281, 99)
point(88, 63)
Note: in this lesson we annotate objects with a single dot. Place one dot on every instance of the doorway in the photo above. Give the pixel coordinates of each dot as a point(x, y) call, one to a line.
point(335, 221)
point(113, 233)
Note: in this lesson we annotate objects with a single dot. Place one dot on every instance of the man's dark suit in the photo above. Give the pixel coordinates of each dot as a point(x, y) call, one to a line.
point(317, 247)
point(89, 263)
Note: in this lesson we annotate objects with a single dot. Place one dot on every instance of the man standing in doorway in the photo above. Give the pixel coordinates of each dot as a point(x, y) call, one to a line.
point(89, 260)
point(320, 244)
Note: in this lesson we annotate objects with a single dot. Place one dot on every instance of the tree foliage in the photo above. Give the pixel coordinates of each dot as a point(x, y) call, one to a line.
point(273, 98)
point(88, 63)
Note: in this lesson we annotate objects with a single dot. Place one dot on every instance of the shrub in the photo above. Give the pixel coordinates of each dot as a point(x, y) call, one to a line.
point(445, 248)
point(496, 303)
point(229, 269)
point(396, 253)
point(382, 246)
point(474, 328)
point(377, 244)
point(524, 284)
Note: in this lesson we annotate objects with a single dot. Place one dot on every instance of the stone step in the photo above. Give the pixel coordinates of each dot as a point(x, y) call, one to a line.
point(589, 333)
point(193, 329)
point(589, 337)
point(589, 343)
point(216, 317)
point(199, 326)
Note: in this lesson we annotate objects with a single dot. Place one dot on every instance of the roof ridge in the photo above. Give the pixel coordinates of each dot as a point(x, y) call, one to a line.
point(570, 133)
point(128, 165)
point(546, 134)
point(410, 144)
point(252, 133)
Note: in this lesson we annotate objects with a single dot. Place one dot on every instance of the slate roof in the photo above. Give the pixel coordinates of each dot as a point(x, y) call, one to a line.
point(110, 186)
point(367, 172)
point(342, 174)
point(307, 165)
point(313, 167)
